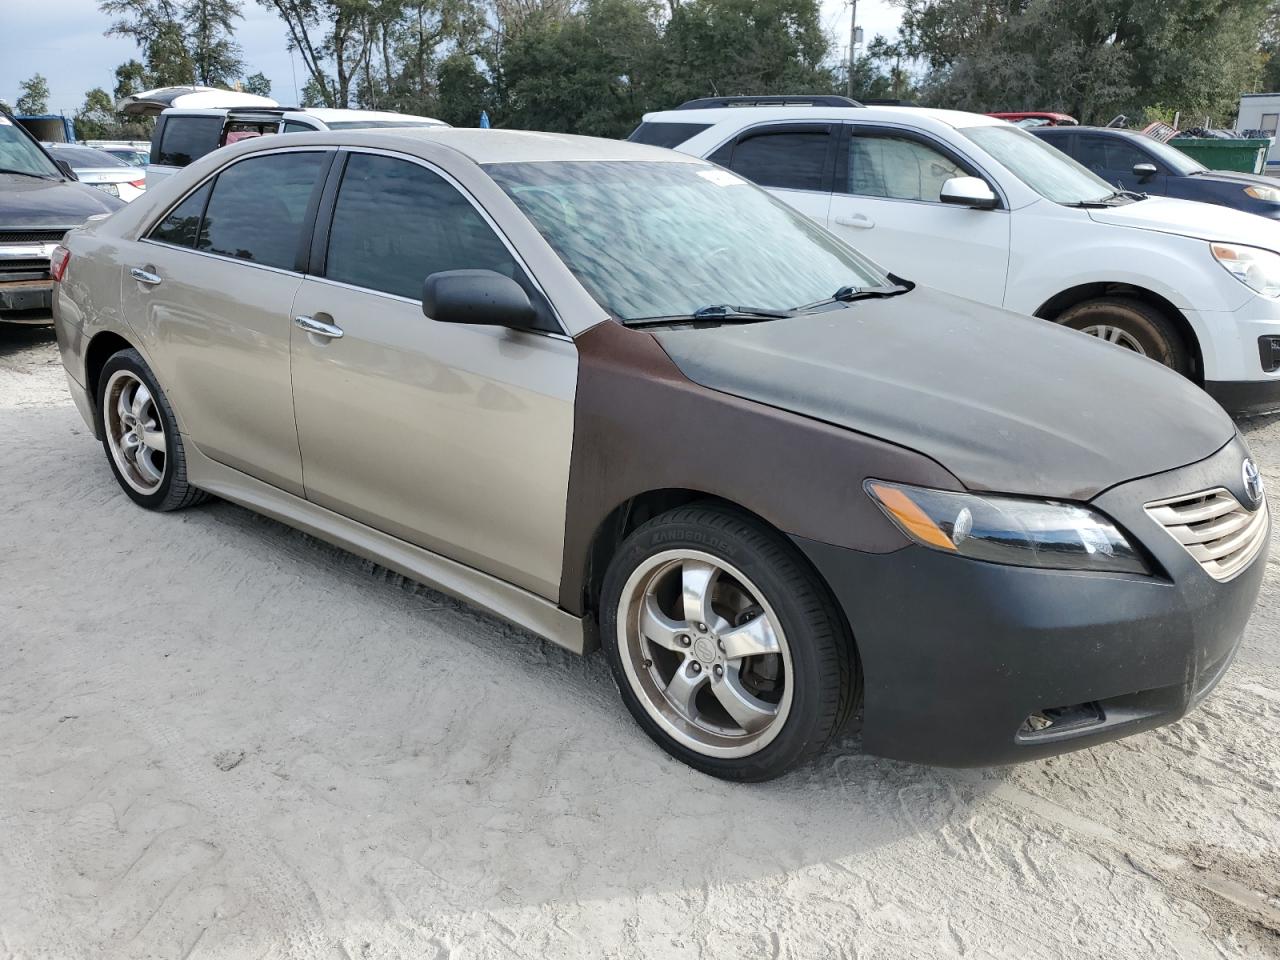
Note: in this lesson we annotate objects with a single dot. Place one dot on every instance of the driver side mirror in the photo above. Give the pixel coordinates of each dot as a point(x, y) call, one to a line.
point(66, 169)
point(477, 296)
point(972, 192)
point(1144, 171)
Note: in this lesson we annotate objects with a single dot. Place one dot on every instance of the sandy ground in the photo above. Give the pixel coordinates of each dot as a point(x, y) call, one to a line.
point(220, 738)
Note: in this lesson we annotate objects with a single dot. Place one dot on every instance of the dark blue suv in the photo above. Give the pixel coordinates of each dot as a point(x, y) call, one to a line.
point(1139, 163)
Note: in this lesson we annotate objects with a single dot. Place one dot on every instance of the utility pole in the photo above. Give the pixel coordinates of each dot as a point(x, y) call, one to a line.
point(853, 36)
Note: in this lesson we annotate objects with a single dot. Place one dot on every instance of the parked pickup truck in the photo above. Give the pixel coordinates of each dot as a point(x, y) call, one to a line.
point(40, 200)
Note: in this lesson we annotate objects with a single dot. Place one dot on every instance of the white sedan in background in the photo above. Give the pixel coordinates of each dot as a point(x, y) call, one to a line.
point(100, 170)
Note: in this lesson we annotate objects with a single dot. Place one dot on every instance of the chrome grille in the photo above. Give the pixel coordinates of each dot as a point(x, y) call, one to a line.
point(1215, 529)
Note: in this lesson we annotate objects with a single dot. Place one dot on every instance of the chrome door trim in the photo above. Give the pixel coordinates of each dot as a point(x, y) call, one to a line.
point(527, 610)
point(144, 276)
point(218, 256)
point(470, 198)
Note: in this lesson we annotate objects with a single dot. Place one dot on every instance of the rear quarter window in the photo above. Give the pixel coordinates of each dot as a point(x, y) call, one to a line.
point(186, 139)
point(666, 134)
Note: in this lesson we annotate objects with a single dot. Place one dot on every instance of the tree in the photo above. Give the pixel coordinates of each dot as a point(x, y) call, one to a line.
point(462, 92)
point(96, 119)
point(210, 37)
point(35, 95)
point(131, 78)
point(1091, 58)
point(257, 83)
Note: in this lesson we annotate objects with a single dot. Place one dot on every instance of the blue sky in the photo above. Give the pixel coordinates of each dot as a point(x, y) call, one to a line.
point(74, 56)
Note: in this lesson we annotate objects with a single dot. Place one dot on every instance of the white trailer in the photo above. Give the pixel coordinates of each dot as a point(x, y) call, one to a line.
point(1260, 112)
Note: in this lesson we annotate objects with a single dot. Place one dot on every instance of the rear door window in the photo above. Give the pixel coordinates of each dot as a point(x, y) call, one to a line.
point(237, 130)
point(186, 139)
point(666, 134)
point(181, 227)
point(258, 209)
point(789, 158)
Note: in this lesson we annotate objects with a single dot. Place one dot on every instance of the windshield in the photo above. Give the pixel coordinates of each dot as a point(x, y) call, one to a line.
point(19, 153)
point(665, 239)
point(1045, 169)
point(1172, 157)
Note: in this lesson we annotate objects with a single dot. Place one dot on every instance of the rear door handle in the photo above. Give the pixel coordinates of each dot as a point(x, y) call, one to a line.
point(144, 276)
point(857, 220)
point(318, 327)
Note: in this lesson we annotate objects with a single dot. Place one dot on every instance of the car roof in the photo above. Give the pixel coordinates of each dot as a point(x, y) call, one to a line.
point(905, 115)
point(327, 114)
point(495, 146)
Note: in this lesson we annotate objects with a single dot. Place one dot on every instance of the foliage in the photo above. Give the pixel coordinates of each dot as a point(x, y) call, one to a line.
point(257, 83)
point(34, 98)
point(1091, 58)
point(182, 41)
point(96, 119)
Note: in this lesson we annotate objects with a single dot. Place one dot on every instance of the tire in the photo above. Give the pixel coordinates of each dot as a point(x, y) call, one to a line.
point(153, 473)
point(1134, 325)
point(752, 716)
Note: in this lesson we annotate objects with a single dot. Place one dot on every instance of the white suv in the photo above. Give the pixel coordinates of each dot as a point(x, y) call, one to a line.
point(977, 207)
point(185, 134)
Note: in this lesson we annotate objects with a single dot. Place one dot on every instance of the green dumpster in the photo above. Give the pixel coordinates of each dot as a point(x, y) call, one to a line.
point(1243, 156)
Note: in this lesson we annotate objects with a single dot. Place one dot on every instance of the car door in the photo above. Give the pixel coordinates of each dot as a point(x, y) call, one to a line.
point(886, 203)
point(452, 437)
point(211, 285)
point(794, 161)
point(1113, 159)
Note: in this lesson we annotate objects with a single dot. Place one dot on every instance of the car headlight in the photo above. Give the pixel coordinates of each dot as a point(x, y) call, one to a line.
point(1257, 269)
point(1270, 194)
point(1008, 530)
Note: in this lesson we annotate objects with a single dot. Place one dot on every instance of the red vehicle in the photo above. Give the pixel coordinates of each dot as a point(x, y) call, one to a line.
point(1045, 117)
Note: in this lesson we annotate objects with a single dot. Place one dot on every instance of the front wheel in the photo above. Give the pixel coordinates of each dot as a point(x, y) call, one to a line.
point(726, 647)
point(1131, 325)
point(140, 435)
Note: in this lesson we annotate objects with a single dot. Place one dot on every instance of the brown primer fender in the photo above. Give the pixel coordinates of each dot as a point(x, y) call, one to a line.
point(640, 425)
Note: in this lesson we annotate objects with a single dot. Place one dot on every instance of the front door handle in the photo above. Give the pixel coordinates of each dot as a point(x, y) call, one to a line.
point(318, 327)
point(144, 276)
point(858, 220)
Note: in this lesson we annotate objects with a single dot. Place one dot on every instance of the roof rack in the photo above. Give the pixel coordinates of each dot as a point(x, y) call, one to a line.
point(800, 100)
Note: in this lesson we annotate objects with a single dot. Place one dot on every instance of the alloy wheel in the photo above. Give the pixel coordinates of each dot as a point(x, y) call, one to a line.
point(135, 431)
point(1113, 334)
point(705, 653)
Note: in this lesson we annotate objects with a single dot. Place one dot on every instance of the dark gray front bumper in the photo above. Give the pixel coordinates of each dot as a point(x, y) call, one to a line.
point(956, 653)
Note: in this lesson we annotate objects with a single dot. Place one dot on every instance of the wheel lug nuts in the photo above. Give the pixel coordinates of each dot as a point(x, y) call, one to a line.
point(697, 667)
point(720, 644)
point(684, 639)
point(719, 670)
point(702, 628)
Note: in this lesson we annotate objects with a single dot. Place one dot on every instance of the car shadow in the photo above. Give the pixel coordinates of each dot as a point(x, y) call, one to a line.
point(15, 338)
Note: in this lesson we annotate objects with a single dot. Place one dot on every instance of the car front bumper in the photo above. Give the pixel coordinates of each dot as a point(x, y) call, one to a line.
point(26, 301)
point(957, 654)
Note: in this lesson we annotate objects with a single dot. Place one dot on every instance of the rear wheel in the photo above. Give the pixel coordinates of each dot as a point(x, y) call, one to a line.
point(726, 647)
point(1131, 325)
point(140, 435)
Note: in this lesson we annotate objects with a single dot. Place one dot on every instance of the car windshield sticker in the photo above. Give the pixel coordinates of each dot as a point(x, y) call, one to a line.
point(721, 178)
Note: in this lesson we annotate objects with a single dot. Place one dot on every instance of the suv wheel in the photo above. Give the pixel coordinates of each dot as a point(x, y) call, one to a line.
point(1131, 325)
point(726, 646)
point(140, 435)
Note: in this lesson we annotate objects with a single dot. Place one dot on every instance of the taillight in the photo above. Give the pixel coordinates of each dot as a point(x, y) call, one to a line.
point(138, 184)
point(58, 262)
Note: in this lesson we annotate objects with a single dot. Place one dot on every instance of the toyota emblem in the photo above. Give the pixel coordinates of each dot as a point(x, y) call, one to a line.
point(1252, 481)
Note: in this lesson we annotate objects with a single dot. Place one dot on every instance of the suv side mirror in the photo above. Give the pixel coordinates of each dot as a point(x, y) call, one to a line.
point(972, 192)
point(477, 296)
point(1144, 171)
point(66, 169)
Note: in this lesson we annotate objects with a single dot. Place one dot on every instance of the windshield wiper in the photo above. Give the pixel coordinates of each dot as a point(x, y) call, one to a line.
point(716, 313)
point(27, 173)
point(850, 294)
point(1111, 200)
